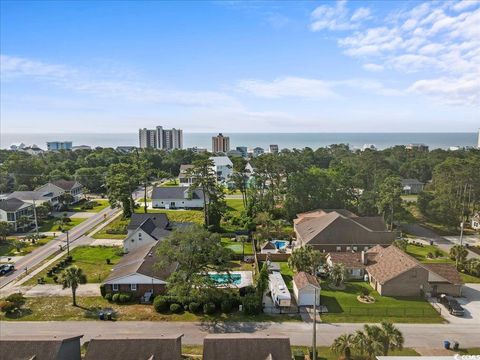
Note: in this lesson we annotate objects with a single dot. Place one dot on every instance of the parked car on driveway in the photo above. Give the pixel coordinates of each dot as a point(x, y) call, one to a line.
point(452, 305)
point(6, 268)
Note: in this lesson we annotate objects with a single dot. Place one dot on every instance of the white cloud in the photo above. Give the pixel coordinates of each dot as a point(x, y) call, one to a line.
point(373, 67)
point(437, 40)
point(288, 87)
point(113, 87)
point(337, 17)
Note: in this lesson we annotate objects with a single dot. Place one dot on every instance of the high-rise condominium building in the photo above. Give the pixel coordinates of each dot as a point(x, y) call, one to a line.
point(220, 144)
point(160, 138)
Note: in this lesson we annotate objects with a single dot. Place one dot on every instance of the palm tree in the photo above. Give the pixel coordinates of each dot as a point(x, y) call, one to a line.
point(391, 337)
point(337, 274)
point(372, 344)
point(344, 345)
point(72, 277)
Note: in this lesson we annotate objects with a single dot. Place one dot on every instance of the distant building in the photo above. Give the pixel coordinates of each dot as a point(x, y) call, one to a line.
point(17, 146)
point(243, 150)
point(125, 149)
point(198, 150)
point(258, 151)
point(369, 147)
point(220, 143)
point(177, 197)
point(274, 149)
point(476, 222)
point(222, 167)
point(418, 147)
point(412, 186)
point(454, 148)
point(59, 145)
point(81, 147)
point(33, 150)
point(160, 138)
point(184, 179)
point(234, 153)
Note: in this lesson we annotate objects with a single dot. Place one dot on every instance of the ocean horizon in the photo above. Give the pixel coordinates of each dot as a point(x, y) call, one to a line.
point(382, 140)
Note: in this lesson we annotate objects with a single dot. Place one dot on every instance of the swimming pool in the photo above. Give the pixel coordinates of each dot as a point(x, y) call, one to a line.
point(280, 244)
point(226, 279)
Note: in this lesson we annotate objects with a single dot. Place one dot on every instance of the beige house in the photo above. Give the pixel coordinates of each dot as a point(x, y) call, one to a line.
point(444, 279)
point(341, 230)
point(305, 286)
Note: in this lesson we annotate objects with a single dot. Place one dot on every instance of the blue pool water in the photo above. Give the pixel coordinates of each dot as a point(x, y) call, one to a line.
point(280, 244)
point(226, 279)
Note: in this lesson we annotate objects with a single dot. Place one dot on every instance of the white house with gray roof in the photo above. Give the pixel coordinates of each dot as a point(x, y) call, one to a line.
point(12, 209)
point(222, 167)
point(177, 197)
point(145, 229)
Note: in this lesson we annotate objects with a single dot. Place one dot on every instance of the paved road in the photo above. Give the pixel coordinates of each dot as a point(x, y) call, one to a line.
point(416, 335)
point(38, 255)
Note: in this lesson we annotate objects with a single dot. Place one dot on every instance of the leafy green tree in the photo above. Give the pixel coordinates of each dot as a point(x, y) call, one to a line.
point(344, 344)
point(401, 244)
point(306, 259)
point(197, 252)
point(458, 253)
point(122, 180)
point(71, 278)
point(23, 222)
point(389, 198)
point(262, 281)
point(93, 178)
point(66, 200)
point(5, 230)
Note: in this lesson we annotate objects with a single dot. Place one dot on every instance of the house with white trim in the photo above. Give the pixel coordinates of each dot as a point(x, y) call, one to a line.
point(12, 209)
point(177, 197)
point(222, 167)
point(305, 286)
point(145, 229)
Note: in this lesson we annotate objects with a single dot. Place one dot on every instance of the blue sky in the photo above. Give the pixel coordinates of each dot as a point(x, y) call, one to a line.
point(323, 66)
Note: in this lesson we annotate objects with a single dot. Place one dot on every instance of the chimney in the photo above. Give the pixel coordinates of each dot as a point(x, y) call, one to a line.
point(364, 258)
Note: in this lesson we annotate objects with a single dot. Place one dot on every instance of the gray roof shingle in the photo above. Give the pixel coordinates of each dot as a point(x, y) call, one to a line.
point(40, 348)
point(12, 204)
point(175, 192)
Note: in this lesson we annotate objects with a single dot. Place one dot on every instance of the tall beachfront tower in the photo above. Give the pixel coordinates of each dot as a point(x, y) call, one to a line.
point(220, 144)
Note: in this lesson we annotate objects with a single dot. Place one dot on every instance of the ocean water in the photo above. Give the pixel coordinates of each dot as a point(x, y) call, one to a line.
point(251, 140)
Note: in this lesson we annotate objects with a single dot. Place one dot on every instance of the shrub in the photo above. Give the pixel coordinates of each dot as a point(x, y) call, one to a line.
point(226, 306)
point(102, 290)
point(194, 307)
point(209, 308)
point(108, 261)
point(247, 290)
point(69, 258)
point(176, 308)
point(252, 304)
point(108, 296)
point(115, 297)
point(437, 253)
point(161, 304)
point(7, 307)
point(364, 291)
point(430, 255)
point(124, 298)
point(16, 298)
point(55, 278)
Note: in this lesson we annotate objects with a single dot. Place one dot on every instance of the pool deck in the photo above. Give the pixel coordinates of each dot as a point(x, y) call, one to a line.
point(246, 279)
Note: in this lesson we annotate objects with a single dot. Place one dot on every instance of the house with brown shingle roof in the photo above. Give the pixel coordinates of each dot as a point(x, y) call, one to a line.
point(40, 348)
point(393, 272)
point(341, 230)
point(305, 286)
point(246, 347)
point(156, 347)
point(354, 262)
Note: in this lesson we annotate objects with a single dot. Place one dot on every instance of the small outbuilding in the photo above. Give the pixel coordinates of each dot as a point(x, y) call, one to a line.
point(305, 286)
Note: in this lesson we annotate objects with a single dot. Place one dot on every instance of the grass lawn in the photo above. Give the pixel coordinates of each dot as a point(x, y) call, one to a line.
point(420, 253)
point(102, 204)
point(91, 259)
point(170, 183)
point(60, 309)
point(237, 265)
point(118, 223)
point(287, 274)
point(7, 248)
point(141, 200)
point(343, 306)
point(193, 216)
point(235, 205)
point(236, 246)
point(52, 226)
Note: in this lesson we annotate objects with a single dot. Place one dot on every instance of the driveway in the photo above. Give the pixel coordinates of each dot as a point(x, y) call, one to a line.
point(470, 302)
point(57, 290)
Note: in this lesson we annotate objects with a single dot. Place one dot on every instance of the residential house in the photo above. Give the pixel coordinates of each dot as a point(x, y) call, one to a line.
point(476, 222)
point(412, 186)
point(13, 209)
point(417, 147)
point(125, 149)
point(138, 273)
point(268, 248)
point(258, 151)
point(393, 272)
point(57, 188)
point(234, 153)
point(444, 279)
point(147, 347)
point(33, 150)
point(59, 145)
point(184, 178)
point(177, 197)
point(145, 229)
point(222, 167)
point(306, 289)
point(355, 263)
point(340, 230)
point(246, 347)
point(40, 347)
point(32, 197)
point(243, 150)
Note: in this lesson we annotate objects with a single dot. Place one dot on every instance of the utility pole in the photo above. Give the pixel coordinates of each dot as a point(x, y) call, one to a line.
point(35, 217)
point(314, 339)
point(68, 245)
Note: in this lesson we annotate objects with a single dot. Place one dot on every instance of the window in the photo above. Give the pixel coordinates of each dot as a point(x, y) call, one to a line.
point(349, 248)
point(355, 248)
point(365, 248)
point(139, 236)
point(339, 248)
point(133, 287)
point(115, 287)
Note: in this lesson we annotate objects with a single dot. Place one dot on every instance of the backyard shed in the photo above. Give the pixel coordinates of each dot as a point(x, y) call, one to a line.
point(304, 287)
